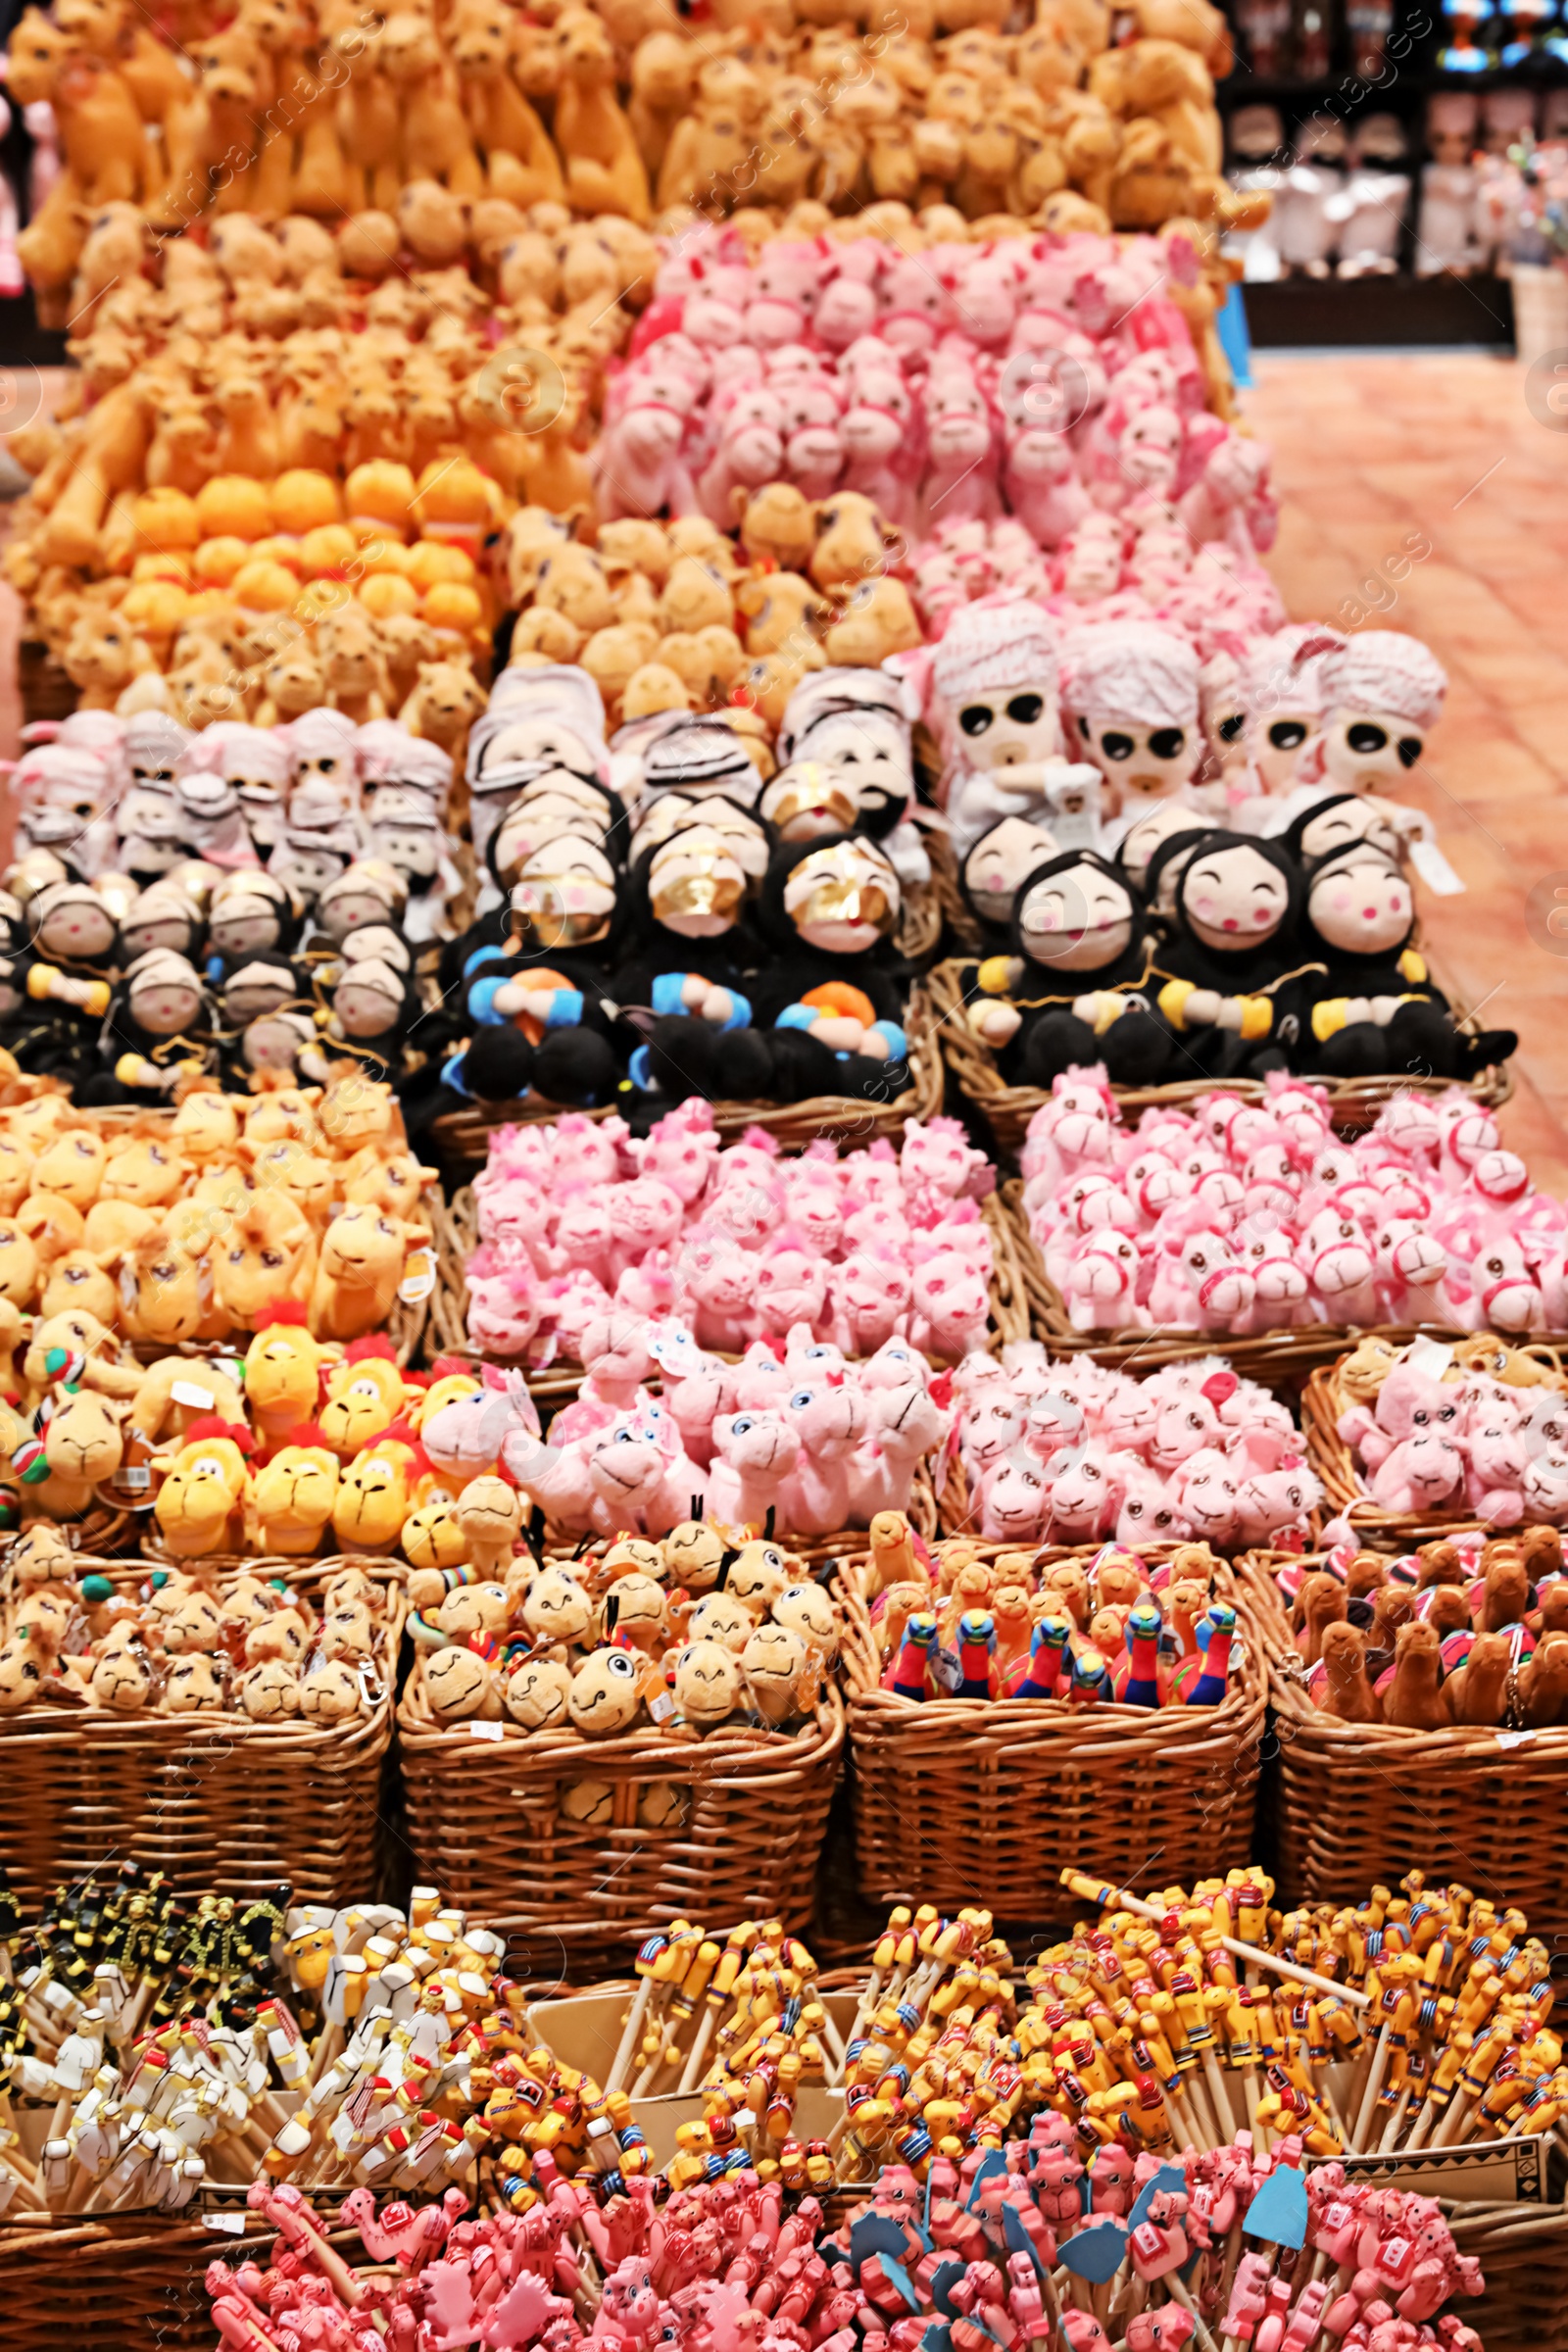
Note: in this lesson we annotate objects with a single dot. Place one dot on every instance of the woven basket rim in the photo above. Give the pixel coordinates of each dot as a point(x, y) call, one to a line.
point(840, 1117)
point(1352, 1101)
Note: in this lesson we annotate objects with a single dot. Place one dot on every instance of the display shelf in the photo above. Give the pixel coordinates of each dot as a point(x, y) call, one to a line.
point(1377, 312)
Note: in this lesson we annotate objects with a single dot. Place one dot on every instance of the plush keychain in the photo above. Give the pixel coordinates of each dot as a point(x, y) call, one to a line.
point(1375, 1011)
point(1233, 958)
point(407, 834)
point(250, 913)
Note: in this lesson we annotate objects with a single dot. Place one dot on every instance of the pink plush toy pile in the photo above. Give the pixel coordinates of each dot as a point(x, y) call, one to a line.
point(1247, 1217)
point(1031, 378)
point(719, 2266)
point(1072, 1452)
point(577, 1219)
point(1472, 1445)
point(793, 1437)
point(1136, 566)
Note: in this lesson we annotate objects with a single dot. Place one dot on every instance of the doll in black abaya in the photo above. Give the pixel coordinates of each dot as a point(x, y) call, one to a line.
point(1232, 990)
point(1077, 987)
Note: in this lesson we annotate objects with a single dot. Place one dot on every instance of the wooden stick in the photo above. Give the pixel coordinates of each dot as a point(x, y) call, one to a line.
point(1376, 2071)
point(1117, 1898)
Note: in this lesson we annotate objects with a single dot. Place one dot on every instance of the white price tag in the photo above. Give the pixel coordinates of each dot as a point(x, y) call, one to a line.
point(487, 1731)
point(1430, 1358)
point(185, 1392)
point(1435, 870)
point(227, 2225)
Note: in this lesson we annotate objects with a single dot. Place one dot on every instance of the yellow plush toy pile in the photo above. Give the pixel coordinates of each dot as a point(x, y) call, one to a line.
point(677, 617)
point(393, 125)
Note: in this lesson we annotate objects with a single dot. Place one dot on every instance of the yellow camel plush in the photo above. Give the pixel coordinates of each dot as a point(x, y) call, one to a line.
point(284, 1368)
point(293, 1494)
point(200, 1503)
point(365, 1396)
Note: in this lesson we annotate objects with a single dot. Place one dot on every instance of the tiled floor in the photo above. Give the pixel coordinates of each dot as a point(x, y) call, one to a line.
point(1437, 466)
point(1420, 492)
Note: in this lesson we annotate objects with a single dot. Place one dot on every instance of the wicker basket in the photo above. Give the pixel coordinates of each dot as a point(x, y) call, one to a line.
point(988, 1800)
point(1354, 1102)
point(131, 2285)
point(1360, 1804)
point(485, 1819)
point(1523, 2253)
point(457, 1238)
point(1274, 1357)
point(215, 1801)
point(1323, 1401)
point(463, 1136)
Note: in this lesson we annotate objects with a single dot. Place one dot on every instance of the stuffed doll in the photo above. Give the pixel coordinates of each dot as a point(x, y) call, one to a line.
point(1133, 690)
point(692, 947)
point(854, 723)
point(264, 1016)
point(1076, 989)
point(1374, 1011)
point(251, 912)
point(163, 915)
point(1233, 960)
point(1339, 821)
point(995, 870)
point(1141, 845)
point(553, 804)
point(828, 910)
point(63, 976)
point(537, 1004)
point(1383, 694)
point(551, 717)
point(159, 1033)
point(368, 1013)
point(1280, 690)
point(258, 763)
point(996, 683)
point(407, 833)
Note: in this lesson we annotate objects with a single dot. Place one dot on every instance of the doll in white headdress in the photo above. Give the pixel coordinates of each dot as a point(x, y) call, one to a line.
point(1132, 688)
point(998, 706)
point(1383, 694)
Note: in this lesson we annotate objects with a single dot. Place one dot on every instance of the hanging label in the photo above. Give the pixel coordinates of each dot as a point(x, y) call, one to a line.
point(1433, 869)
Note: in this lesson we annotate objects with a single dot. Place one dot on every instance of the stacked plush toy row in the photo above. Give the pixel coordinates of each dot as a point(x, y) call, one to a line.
point(963, 1627)
point(1057, 124)
point(724, 938)
point(550, 1652)
point(1073, 1453)
point(189, 1229)
point(588, 1234)
point(189, 1643)
point(1252, 1217)
point(953, 383)
point(683, 618)
point(1461, 1632)
point(1432, 1433)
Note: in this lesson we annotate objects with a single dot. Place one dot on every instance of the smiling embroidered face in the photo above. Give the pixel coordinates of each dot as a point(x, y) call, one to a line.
point(1076, 920)
point(1360, 903)
point(1233, 898)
